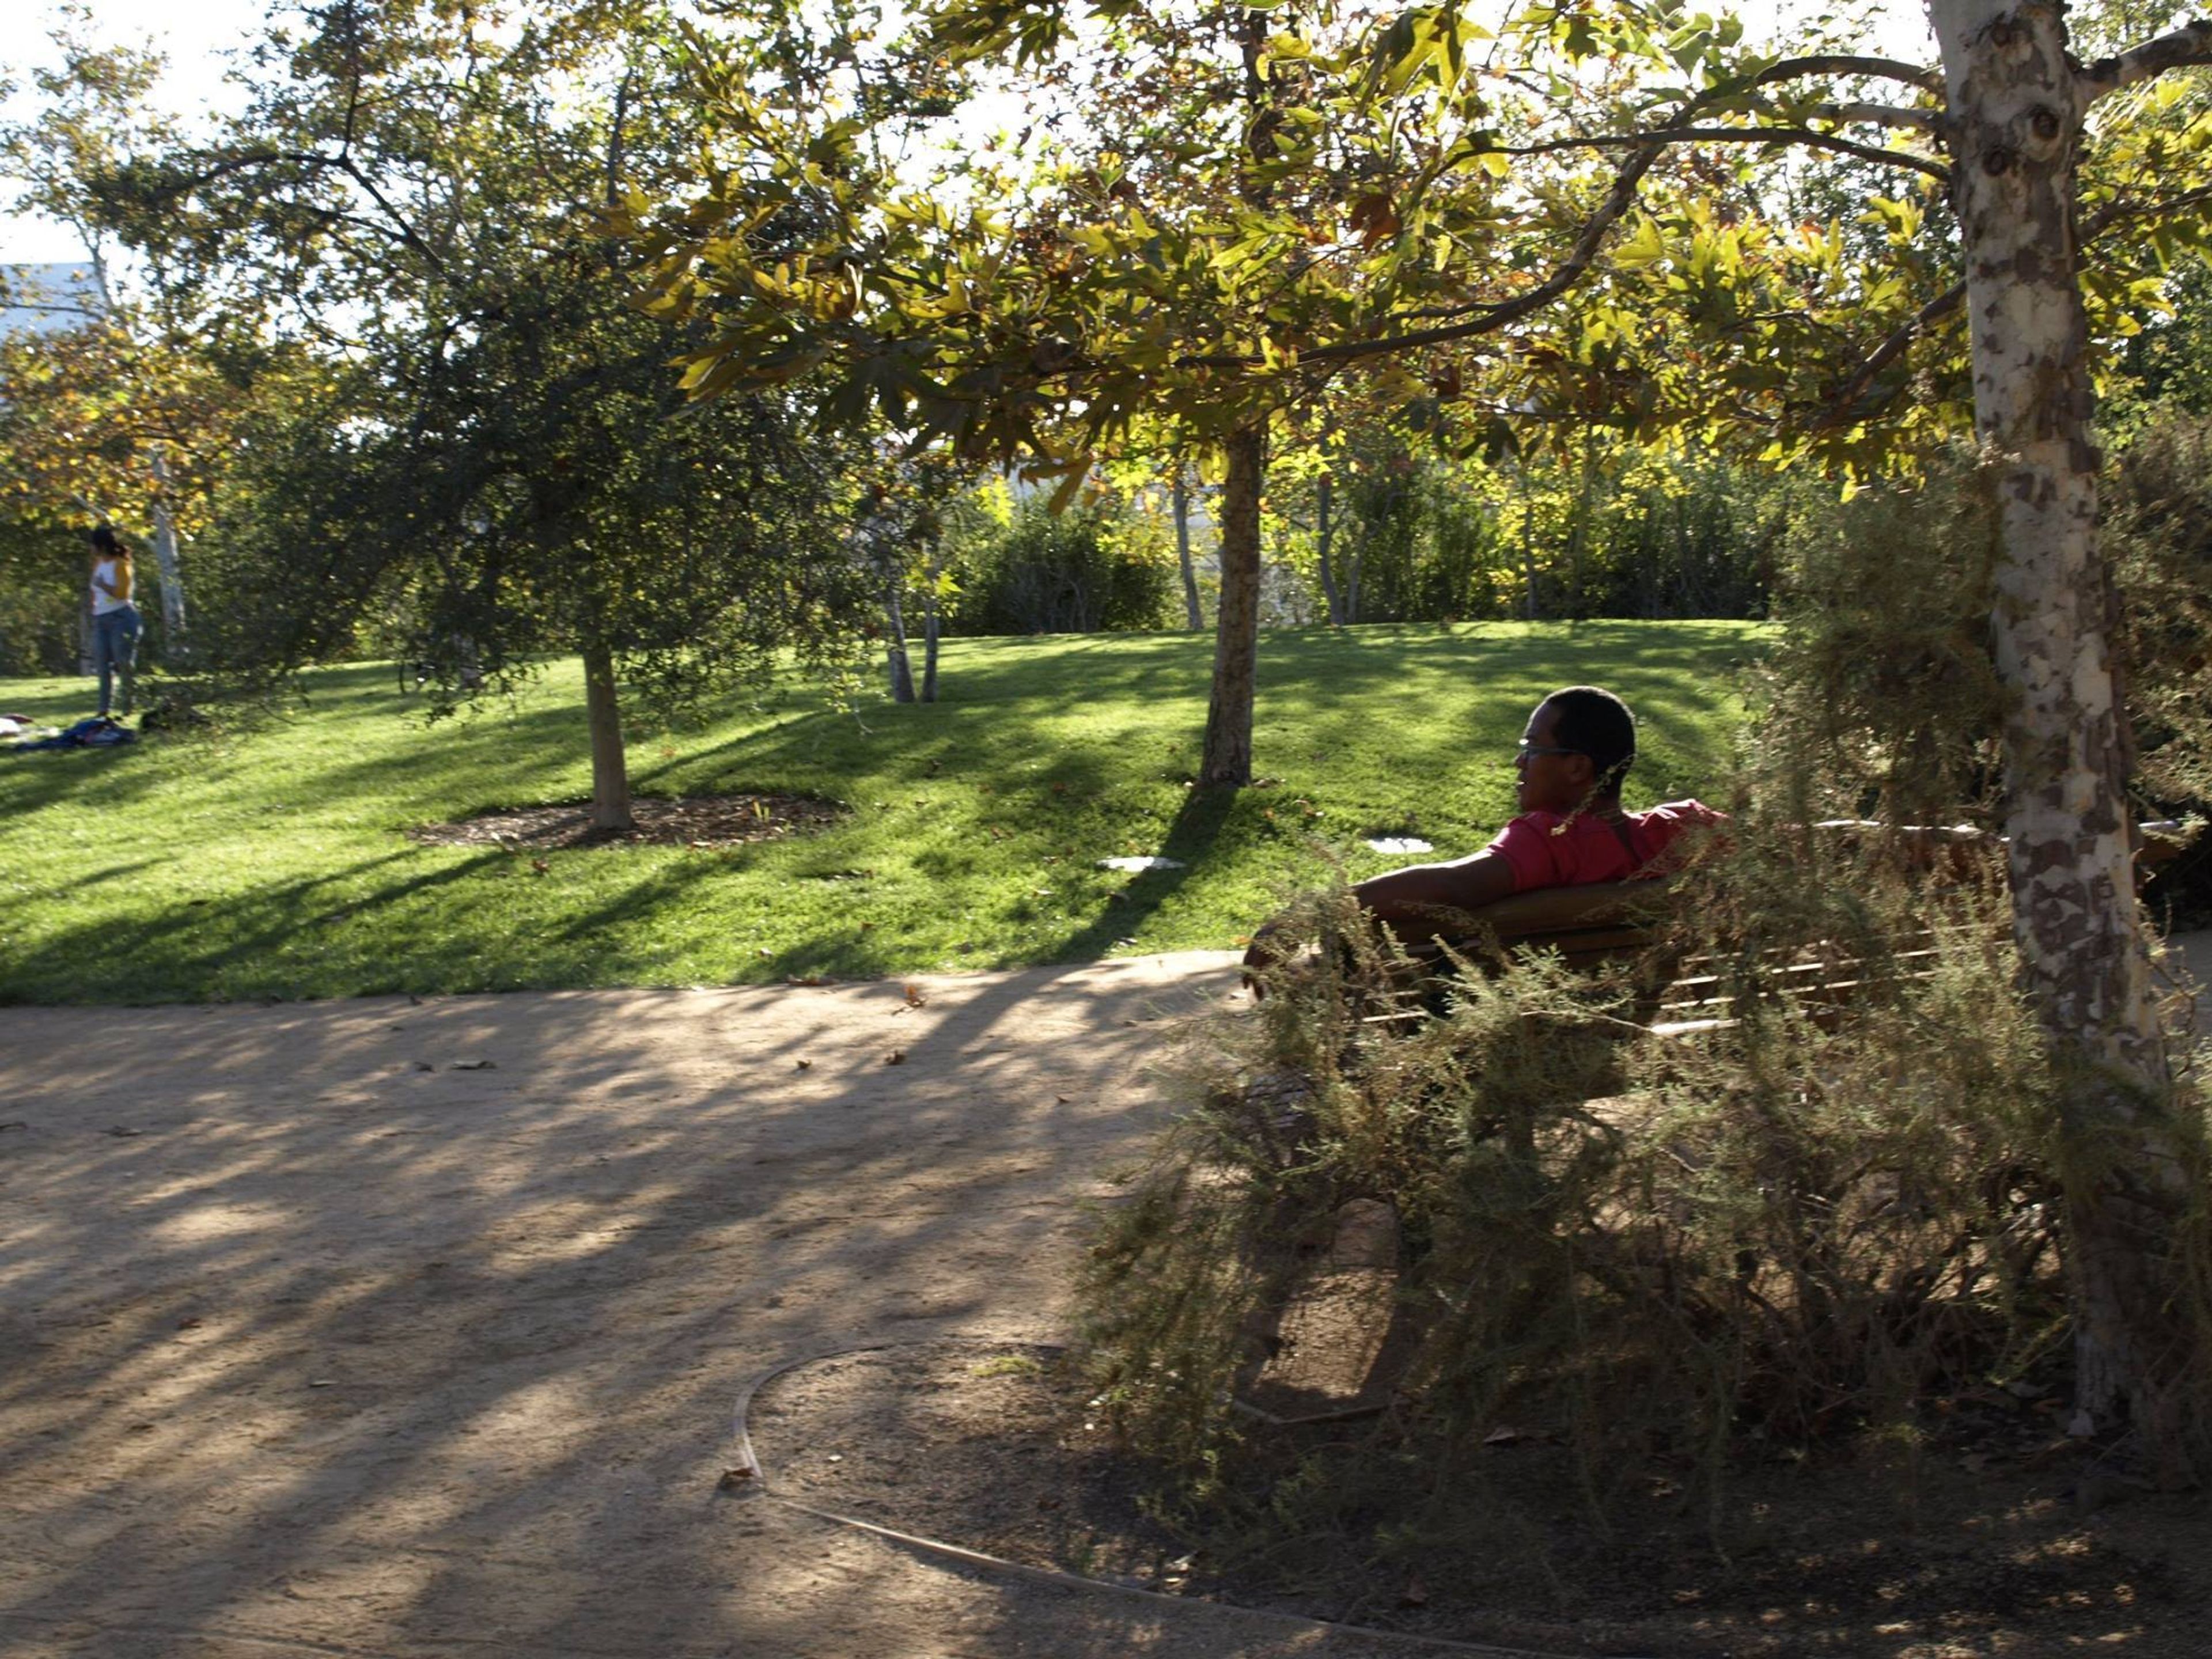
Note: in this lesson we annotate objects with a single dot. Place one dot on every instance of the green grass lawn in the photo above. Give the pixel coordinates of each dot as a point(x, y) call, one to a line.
point(273, 862)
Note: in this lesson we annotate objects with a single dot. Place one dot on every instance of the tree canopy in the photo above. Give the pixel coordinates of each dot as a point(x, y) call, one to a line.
point(501, 464)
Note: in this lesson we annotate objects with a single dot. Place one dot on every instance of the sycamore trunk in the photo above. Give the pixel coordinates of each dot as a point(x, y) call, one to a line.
point(2127, 1160)
point(1194, 618)
point(167, 563)
point(1324, 536)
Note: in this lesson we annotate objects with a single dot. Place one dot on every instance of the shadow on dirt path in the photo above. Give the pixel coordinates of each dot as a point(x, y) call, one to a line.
point(384, 1329)
point(379, 1327)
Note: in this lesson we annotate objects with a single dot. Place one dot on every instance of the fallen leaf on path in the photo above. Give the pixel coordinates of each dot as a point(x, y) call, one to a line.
point(916, 996)
point(539, 867)
point(324, 1383)
point(896, 1057)
point(122, 1131)
point(733, 1479)
point(1415, 1594)
point(1511, 1437)
point(802, 1065)
point(474, 1065)
point(189, 1322)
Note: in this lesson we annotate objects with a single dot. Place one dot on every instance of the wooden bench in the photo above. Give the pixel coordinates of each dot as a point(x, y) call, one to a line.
point(1334, 1345)
point(1628, 922)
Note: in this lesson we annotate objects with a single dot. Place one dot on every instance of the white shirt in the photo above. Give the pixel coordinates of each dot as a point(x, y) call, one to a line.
point(115, 573)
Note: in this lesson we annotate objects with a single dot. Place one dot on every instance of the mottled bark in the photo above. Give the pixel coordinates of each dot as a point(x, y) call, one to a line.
point(1194, 618)
point(2016, 123)
point(610, 765)
point(1228, 758)
point(167, 563)
point(931, 627)
point(1324, 535)
point(896, 661)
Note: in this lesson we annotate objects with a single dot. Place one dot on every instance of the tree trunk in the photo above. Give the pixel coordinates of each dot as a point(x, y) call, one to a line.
point(165, 563)
point(1528, 548)
point(609, 767)
point(1194, 618)
point(1324, 529)
point(2126, 1157)
point(929, 631)
point(901, 672)
point(1228, 758)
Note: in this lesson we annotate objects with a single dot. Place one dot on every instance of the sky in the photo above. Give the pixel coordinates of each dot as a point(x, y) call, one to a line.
point(195, 35)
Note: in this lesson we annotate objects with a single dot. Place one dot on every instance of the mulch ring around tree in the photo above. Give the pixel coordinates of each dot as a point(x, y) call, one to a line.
point(701, 821)
point(2000, 1535)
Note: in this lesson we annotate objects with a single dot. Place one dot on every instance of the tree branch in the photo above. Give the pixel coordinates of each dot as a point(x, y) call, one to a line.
point(1648, 146)
point(1806, 136)
point(315, 159)
point(1618, 201)
point(1943, 305)
point(2189, 44)
point(2113, 213)
point(1887, 352)
point(1872, 69)
point(1881, 115)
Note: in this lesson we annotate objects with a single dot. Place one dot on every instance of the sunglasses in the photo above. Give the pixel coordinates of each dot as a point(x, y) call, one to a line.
point(1522, 750)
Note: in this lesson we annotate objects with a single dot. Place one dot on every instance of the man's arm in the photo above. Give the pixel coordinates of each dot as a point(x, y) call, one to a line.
point(1425, 900)
point(1420, 903)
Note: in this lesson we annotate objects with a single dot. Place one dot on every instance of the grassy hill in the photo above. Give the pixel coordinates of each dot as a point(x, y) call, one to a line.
point(275, 862)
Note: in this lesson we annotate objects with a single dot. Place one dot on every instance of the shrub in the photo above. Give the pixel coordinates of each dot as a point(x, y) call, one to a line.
point(1089, 570)
point(1656, 1247)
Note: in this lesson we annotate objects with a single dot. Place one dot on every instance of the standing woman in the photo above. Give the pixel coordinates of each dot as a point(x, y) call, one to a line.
point(115, 624)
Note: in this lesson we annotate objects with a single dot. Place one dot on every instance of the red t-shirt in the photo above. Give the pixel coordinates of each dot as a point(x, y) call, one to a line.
point(1547, 850)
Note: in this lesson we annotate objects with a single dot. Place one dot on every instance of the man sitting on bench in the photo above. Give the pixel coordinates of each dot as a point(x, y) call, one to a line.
point(1570, 830)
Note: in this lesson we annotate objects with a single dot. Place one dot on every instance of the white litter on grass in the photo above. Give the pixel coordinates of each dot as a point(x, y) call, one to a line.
point(1148, 862)
point(1399, 844)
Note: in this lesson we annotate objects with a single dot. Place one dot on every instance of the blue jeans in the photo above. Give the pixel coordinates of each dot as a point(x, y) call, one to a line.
point(115, 649)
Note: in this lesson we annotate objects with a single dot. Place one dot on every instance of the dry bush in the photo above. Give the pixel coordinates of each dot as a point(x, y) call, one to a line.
point(1796, 1230)
point(1654, 1247)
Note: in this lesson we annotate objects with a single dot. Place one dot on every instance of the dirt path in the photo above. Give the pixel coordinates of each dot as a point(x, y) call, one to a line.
point(385, 1328)
point(311, 1342)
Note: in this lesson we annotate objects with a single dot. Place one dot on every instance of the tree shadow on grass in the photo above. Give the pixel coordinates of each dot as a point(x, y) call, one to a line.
point(93, 780)
point(1189, 840)
point(200, 943)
